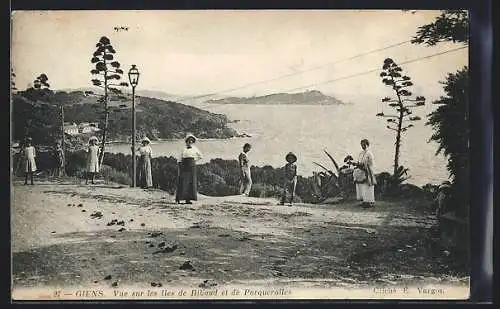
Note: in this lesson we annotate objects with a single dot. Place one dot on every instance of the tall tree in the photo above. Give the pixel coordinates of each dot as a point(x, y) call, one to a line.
point(402, 104)
point(451, 25)
point(106, 70)
point(450, 120)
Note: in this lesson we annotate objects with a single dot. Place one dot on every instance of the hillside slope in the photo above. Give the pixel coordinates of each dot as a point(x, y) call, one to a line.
point(37, 114)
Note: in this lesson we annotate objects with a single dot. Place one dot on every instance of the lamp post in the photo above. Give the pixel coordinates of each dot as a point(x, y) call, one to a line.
point(133, 76)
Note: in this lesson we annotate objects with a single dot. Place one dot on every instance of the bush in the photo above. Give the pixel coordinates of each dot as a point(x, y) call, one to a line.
point(110, 174)
point(265, 190)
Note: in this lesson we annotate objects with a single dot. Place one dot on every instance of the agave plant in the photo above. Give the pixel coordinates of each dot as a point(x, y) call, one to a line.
point(329, 183)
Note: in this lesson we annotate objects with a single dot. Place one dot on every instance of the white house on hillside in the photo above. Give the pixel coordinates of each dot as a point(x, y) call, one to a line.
point(71, 128)
point(82, 128)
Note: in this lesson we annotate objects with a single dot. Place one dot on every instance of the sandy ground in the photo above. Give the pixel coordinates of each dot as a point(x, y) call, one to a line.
point(56, 242)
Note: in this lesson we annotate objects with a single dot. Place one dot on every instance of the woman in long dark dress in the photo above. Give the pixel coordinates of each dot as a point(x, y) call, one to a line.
point(186, 180)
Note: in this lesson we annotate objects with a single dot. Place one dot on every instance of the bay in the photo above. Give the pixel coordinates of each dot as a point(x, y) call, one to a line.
point(308, 129)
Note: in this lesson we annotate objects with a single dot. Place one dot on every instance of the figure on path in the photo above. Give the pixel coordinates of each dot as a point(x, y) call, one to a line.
point(58, 156)
point(364, 176)
point(29, 155)
point(186, 177)
point(245, 175)
point(290, 179)
point(92, 159)
point(144, 166)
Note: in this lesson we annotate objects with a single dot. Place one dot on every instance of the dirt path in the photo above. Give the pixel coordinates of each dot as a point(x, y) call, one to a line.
point(227, 240)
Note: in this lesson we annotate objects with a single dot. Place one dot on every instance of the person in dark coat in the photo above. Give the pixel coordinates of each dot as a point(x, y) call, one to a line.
point(186, 180)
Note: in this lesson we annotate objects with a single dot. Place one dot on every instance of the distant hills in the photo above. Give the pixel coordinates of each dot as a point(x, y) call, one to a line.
point(312, 97)
point(36, 113)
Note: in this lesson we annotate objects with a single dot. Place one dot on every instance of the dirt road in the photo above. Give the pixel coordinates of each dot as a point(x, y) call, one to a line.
point(69, 234)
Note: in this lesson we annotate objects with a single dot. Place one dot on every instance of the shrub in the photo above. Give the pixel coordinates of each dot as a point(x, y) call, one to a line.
point(110, 174)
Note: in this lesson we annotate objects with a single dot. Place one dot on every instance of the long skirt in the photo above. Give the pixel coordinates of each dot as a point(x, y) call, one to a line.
point(145, 177)
point(365, 193)
point(186, 182)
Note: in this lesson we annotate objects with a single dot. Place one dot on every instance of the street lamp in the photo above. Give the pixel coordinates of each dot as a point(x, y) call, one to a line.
point(133, 76)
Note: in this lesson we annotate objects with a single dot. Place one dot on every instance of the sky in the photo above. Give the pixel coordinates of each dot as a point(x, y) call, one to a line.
point(200, 52)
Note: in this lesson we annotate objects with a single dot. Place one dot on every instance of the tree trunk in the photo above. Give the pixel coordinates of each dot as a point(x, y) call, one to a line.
point(398, 134)
point(106, 115)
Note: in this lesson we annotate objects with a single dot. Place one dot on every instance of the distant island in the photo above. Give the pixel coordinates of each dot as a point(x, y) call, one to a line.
point(312, 97)
point(37, 113)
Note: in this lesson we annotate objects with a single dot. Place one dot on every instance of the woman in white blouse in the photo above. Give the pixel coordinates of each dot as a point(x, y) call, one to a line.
point(145, 154)
point(186, 180)
point(364, 176)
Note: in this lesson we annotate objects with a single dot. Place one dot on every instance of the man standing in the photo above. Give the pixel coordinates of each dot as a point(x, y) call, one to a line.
point(246, 178)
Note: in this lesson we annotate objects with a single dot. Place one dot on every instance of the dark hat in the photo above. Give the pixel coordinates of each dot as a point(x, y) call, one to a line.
point(291, 157)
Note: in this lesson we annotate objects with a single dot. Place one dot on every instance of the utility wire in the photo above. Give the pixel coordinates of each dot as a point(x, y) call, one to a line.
point(301, 71)
point(364, 72)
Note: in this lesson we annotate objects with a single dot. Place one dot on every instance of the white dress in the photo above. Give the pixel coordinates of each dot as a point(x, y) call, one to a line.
point(366, 191)
point(93, 159)
point(29, 158)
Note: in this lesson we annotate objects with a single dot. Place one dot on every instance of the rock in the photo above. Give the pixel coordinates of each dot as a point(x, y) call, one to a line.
point(162, 244)
point(114, 284)
point(156, 284)
point(166, 249)
point(207, 284)
point(110, 223)
point(131, 220)
point(182, 253)
point(83, 210)
point(95, 281)
point(155, 234)
point(151, 245)
point(80, 205)
point(108, 277)
point(187, 266)
point(122, 229)
point(142, 224)
point(120, 223)
point(69, 205)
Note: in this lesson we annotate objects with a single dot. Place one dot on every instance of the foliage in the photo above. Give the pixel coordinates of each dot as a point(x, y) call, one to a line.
point(106, 70)
point(12, 80)
point(450, 120)
point(112, 175)
point(327, 184)
point(451, 131)
point(451, 25)
point(403, 103)
point(41, 82)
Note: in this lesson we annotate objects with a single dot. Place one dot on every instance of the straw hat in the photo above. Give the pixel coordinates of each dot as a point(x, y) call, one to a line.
point(146, 139)
point(291, 157)
point(190, 136)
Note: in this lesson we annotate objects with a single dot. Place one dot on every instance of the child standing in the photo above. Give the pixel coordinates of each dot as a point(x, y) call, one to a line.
point(92, 159)
point(245, 176)
point(290, 179)
point(29, 154)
